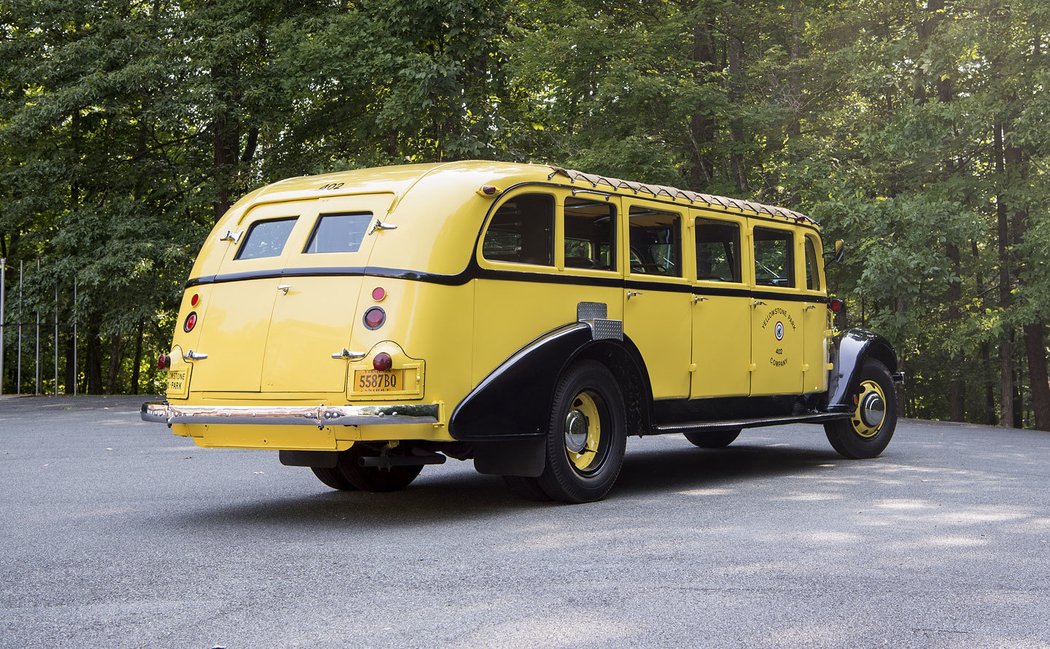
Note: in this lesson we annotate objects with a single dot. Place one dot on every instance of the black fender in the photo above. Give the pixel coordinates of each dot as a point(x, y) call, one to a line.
point(851, 348)
point(505, 416)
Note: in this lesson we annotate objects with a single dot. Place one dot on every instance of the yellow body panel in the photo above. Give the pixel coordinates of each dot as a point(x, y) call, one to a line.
point(270, 326)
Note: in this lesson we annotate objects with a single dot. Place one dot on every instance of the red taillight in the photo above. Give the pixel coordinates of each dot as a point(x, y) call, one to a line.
point(375, 317)
point(382, 362)
point(378, 293)
point(163, 362)
point(191, 322)
point(837, 305)
point(195, 299)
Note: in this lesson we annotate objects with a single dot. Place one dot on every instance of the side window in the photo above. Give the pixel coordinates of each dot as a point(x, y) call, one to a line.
point(338, 233)
point(522, 231)
point(812, 267)
point(590, 234)
point(717, 250)
point(266, 238)
point(774, 257)
point(656, 247)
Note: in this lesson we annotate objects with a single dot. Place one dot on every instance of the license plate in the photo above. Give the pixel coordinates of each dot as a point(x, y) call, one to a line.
point(178, 382)
point(376, 381)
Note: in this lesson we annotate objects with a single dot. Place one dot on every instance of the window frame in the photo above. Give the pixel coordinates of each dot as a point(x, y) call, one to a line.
point(556, 252)
point(818, 258)
point(317, 224)
point(683, 248)
point(251, 228)
point(741, 231)
point(562, 237)
point(792, 249)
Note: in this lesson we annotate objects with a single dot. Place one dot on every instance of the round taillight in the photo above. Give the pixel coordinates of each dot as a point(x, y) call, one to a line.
point(191, 322)
point(378, 293)
point(195, 299)
point(163, 362)
point(382, 362)
point(375, 317)
point(837, 305)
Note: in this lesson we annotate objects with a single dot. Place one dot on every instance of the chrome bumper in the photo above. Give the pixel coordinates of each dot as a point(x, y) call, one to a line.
point(320, 416)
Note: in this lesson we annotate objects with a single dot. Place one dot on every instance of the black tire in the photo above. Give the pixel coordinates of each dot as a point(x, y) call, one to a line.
point(589, 395)
point(719, 439)
point(527, 488)
point(857, 438)
point(349, 475)
point(333, 478)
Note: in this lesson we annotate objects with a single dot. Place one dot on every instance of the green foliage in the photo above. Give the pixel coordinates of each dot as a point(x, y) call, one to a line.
point(126, 127)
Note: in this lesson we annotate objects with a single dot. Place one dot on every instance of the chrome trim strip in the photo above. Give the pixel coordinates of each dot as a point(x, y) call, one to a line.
point(320, 416)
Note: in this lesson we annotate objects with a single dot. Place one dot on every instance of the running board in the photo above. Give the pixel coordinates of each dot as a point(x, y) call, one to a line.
point(734, 424)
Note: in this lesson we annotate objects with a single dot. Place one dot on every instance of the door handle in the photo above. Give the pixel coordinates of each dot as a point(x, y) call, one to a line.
point(284, 288)
point(194, 356)
point(349, 355)
point(757, 303)
point(808, 307)
point(699, 298)
point(631, 294)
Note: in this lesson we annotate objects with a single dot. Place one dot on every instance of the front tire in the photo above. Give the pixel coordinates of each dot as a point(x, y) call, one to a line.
point(586, 436)
point(874, 418)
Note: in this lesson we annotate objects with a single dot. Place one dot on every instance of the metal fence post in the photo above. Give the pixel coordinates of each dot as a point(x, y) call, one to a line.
point(3, 274)
point(18, 373)
point(75, 375)
point(56, 338)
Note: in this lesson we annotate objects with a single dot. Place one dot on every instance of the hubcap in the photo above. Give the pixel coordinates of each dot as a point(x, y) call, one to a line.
point(871, 410)
point(583, 431)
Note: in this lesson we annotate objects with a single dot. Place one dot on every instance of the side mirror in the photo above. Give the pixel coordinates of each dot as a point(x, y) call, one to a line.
point(840, 251)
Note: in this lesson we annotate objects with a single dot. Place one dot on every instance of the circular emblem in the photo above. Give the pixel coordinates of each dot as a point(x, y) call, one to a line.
point(778, 331)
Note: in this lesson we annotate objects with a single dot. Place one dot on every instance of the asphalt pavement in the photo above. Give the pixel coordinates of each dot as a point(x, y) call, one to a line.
point(114, 533)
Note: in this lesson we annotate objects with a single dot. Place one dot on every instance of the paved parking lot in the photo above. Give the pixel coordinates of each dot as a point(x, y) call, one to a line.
point(116, 534)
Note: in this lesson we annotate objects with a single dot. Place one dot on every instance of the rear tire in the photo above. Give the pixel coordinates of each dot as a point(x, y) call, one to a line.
point(870, 427)
point(720, 439)
point(349, 475)
point(586, 436)
point(333, 478)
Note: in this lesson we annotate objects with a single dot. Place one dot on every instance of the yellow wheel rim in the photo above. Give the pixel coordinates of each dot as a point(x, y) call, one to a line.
point(870, 413)
point(583, 431)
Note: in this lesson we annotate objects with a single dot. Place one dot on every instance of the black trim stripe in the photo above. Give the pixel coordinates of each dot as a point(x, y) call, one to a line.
point(474, 272)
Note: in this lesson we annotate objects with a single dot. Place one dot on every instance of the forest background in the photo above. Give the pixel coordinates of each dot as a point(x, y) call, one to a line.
point(915, 131)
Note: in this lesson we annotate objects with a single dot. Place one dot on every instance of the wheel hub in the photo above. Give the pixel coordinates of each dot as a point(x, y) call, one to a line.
point(576, 426)
point(870, 412)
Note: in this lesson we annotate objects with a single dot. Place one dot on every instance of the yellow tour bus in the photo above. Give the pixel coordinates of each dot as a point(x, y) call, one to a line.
point(529, 318)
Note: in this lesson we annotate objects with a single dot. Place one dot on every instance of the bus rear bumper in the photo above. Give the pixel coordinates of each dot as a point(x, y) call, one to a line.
point(319, 416)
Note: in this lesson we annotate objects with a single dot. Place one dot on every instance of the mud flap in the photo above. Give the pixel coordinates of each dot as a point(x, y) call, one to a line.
point(520, 457)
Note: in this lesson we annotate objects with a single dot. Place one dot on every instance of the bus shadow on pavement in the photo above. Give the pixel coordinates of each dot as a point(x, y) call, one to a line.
point(464, 495)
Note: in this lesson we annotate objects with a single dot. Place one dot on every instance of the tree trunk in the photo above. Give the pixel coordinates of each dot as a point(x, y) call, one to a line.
point(93, 371)
point(736, 125)
point(1035, 350)
point(1006, 371)
point(136, 366)
point(702, 124)
point(116, 355)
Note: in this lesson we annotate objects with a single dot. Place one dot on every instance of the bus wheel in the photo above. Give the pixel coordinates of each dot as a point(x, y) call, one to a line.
point(870, 427)
point(586, 437)
point(720, 439)
point(333, 478)
point(348, 473)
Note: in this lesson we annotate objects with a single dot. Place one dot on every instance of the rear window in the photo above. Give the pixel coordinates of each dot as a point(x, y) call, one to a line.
point(266, 238)
point(339, 232)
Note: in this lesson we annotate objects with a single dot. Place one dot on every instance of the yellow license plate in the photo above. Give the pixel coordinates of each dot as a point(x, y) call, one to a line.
point(178, 382)
point(376, 381)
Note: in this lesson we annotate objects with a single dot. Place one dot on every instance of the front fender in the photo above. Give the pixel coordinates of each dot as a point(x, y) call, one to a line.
point(852, 348)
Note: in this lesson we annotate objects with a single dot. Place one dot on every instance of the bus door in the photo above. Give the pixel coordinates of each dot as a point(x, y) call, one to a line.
point(776, 311)
point(657, 295)
point(721, 309)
